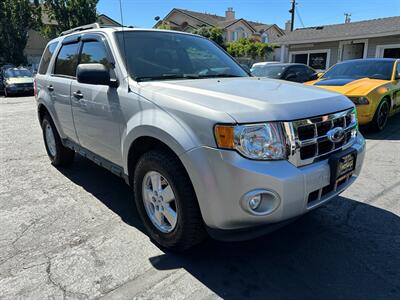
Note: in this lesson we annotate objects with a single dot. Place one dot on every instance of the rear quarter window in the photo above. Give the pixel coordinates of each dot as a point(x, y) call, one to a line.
point(46, 57)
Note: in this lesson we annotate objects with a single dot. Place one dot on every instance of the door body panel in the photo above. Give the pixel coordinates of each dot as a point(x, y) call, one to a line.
point(59, 89)
point(97, 117)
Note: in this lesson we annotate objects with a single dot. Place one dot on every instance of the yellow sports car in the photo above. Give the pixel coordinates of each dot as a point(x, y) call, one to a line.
point(372, 84)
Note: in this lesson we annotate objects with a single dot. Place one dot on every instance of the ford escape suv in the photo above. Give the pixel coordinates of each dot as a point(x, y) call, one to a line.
point(207, 148)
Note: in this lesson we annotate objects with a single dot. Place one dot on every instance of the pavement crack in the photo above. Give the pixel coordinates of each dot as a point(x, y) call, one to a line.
point(382, 193)
point(52, 280)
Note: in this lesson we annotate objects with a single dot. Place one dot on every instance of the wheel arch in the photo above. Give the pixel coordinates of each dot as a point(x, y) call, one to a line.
point(42, 110)
point(145, 143)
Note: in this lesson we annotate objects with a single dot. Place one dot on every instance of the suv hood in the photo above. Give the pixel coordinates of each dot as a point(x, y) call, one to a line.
point(249, 99)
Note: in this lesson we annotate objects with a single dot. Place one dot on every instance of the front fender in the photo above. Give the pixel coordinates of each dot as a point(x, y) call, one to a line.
point(160, 125)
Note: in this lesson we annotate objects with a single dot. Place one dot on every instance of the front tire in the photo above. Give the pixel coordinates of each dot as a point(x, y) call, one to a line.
point(166, 201)
point(58, 154)
point(381, 116)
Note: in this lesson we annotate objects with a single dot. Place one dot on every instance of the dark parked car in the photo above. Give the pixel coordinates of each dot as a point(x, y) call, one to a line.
point(288, 71)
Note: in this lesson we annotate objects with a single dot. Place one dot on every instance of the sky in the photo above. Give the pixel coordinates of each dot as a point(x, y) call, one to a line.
point(141, 13)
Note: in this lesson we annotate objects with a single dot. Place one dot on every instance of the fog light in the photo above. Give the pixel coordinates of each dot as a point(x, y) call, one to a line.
point(260, 202)
point(255, 202)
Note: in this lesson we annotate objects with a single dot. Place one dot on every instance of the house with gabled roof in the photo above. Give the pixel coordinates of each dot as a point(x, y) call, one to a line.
point(323, 46)
point(233, 28)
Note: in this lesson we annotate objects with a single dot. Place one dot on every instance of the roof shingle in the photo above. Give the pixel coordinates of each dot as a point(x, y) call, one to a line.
point(218, 21)
point(342, 31)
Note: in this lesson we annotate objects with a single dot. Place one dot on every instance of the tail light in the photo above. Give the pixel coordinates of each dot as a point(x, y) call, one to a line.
point(34, 88)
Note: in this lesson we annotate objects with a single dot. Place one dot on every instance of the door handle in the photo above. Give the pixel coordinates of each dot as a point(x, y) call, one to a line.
point(50, 88)
point(78, 94)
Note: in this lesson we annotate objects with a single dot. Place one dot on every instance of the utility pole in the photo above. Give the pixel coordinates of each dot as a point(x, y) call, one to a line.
point(347, 17)
point(292, 11)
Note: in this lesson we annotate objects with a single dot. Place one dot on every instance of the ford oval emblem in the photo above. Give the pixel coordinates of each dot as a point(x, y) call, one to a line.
point(336, 135)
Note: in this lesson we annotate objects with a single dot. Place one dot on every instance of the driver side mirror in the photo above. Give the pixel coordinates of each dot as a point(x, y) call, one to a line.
point(96, 74)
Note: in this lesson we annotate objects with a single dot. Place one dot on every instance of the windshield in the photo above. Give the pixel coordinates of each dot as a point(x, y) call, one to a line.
point(164, 55)
point(360, 69)
point(11, 73)
point(268, 71)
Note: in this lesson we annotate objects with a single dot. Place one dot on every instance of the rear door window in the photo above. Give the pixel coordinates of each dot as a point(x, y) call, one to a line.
point(67, 60)
point(46, 57)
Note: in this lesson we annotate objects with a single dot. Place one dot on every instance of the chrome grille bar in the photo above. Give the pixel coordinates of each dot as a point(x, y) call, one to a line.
point(307, 139)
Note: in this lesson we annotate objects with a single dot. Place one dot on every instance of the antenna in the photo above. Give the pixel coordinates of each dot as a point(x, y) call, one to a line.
point(123, 41)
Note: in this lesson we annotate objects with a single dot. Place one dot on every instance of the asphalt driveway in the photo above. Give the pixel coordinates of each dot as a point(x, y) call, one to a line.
point(74, 233)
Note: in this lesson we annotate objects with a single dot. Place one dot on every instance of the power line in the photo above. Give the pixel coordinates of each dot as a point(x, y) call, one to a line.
point(298, 15)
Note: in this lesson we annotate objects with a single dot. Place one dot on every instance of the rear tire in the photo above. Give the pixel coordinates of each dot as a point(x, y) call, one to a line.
point(58, 154)
point(187, 229)
point(381, 115)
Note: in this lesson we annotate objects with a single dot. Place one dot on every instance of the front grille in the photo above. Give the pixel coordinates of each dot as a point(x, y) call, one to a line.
point(308, 140)
point(322, 194)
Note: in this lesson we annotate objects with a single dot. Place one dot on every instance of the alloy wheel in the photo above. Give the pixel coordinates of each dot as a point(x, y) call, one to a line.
point(50, 140)
point(159, 202)
point(383, 114)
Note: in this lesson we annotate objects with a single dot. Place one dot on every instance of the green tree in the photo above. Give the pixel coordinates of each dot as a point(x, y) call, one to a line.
point(16, 18)
point(249, 48)
point(213, 33)
point(164, 26)
point(67, 14)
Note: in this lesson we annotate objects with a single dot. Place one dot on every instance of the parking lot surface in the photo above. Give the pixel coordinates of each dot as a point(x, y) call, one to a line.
point(74, 233)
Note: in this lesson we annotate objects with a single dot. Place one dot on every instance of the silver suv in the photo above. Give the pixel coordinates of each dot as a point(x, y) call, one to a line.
point(207, 148)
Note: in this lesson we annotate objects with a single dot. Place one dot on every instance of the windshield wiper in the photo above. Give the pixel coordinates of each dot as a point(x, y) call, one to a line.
point(182, 76)
point(165, 77)
point(219, 75)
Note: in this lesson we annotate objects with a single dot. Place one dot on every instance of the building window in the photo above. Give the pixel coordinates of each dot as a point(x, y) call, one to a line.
point(300, 58)
point(234, 36)
point(353, 51)
point(318, 60)
point(388, 51)
point(238, 34)
point(265, 38)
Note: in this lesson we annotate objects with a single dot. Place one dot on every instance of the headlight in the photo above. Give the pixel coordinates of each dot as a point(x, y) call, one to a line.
point(359, 100)
point(259, 141)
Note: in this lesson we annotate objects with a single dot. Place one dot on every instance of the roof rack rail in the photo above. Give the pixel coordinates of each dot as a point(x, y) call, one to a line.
point(90, 26)
point(80, 28)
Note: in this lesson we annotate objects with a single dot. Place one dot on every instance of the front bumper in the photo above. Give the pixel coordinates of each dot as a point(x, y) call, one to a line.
point(20, 89)
point(221, 178)
point(365, 113)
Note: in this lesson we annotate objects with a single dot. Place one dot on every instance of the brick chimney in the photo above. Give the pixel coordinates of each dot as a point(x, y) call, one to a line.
point(288, 26)
point(230, 14)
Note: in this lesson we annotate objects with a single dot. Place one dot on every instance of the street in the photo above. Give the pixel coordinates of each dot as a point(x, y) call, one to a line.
point(74, 233)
